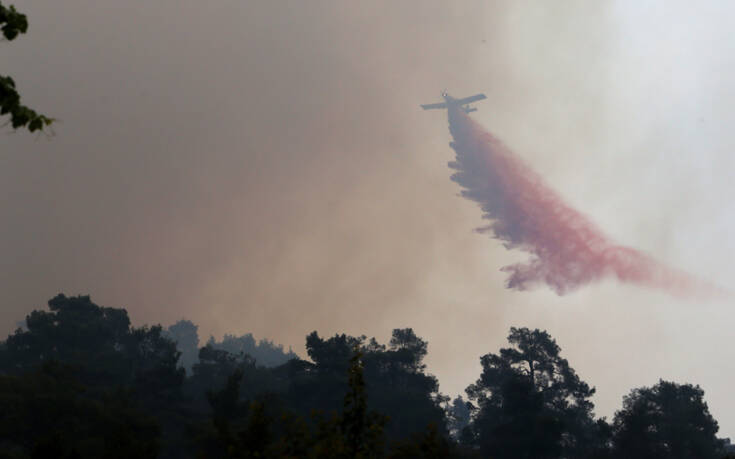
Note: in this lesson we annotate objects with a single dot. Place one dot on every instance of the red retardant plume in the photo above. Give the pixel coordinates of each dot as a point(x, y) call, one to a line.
point(567, 249)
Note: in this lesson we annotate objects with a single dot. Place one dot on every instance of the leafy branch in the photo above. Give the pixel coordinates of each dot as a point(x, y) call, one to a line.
point(13, 23)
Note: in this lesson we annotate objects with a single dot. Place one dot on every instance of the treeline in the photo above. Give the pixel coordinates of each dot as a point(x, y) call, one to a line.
point(265, 352)
point(78, 381)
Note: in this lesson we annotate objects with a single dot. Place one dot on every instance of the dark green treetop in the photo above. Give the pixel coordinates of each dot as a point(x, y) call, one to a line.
point(531, 403)
point(668, 420)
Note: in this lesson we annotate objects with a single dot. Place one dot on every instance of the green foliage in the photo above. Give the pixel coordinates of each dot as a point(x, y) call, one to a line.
point(13, 23)
point(248, 430)
point(79, 381)
point(75, 331)
point(667, 420)
point(48, 413)
point(104, 353)
point(100, 343)
point(350, 375)
point(531, 403)
point(363, 431)
point(396, 382)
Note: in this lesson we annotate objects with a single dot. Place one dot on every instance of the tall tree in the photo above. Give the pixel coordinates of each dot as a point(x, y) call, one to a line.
point(458, 417)
point(250, 429)
point(667, 420)
point(184, 333)
point(361, 429)
point(531, 403)
point(13, 23)
point(102, 348)
point(105, 355)
point(75, 331)
point(397, 384)
point(100, 344)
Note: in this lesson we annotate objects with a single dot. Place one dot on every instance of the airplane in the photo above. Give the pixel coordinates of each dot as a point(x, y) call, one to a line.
point(450, 101)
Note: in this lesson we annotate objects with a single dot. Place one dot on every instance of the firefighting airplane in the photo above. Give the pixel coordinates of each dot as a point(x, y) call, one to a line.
point(450, 101)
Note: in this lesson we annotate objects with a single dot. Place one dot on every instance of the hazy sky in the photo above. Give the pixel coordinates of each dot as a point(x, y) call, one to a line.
point(264, 167)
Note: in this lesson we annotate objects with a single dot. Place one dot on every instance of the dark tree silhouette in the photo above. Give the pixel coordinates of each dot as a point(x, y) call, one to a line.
point(531, 403)
point(100, 343)
point(362, 430)
point(667, 420)
point(77, 380)
point(397, 384)
point(184, 334)
point(458, 417)
point(47, 412)
point(105, 355)
point(249, 429)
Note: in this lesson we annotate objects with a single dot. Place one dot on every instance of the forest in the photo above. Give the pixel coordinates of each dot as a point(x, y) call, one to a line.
point(79, 381)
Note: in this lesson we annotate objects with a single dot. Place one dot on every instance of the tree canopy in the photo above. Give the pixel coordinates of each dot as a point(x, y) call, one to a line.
point(79, 380)
point(99, 342)
point(531, 403)
point(667, 420)
point(184, 334)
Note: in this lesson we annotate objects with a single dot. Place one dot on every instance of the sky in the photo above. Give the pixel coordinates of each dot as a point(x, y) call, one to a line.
point(265, 167)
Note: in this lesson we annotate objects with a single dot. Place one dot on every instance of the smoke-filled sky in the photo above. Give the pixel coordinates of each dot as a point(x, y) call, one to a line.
point(265, 167)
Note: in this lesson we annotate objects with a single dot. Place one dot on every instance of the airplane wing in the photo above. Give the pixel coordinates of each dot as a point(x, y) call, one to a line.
point(430, 106)
point(468, 100)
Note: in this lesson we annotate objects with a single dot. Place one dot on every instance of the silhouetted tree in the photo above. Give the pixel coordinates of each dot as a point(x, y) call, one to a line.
point(157, 375)
point(458, 417)
point(333, 353)
point(362, 430)
point(397, 378)
point(184, 333)
point(531, 403)
point(106, 355)
point(100, 343)
point(667, 420)
point(75, 331)
point(394, 379)
point(46, 412)
point(251, 429)
point(79, 381)
point(397, 384)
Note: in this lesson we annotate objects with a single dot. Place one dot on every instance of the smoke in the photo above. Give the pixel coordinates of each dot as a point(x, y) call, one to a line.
point(567, 249)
